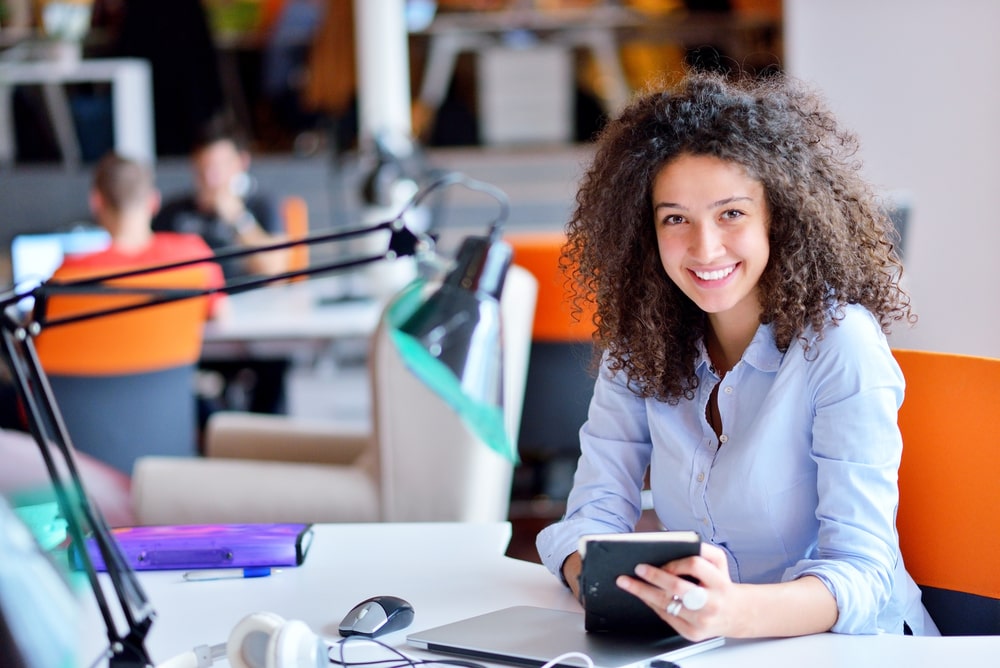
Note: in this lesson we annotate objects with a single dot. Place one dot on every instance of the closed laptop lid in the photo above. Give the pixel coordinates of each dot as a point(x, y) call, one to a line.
point(532, 636)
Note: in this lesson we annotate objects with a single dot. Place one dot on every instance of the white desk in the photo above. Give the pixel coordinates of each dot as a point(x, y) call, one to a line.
point(452, 571)
point(280, 320)
point(131, 102)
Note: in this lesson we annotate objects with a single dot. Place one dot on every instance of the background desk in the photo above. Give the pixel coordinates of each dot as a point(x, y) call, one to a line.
point(453, 571)
point(131, 100)
point(600, 30)
point(282, 320)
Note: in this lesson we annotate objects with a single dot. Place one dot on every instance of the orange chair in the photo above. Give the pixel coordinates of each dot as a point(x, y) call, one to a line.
point(559, 385)
point(949, 487)
point(295, 213)
point(125, 383)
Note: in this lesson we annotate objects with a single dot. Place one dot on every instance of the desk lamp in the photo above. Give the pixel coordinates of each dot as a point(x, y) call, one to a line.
point(449, 337)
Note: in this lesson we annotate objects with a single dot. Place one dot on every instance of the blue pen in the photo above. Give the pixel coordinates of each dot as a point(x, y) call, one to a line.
point(227, 574)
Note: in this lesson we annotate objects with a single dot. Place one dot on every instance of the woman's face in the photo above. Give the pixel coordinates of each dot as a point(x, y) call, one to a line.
point(711, 223)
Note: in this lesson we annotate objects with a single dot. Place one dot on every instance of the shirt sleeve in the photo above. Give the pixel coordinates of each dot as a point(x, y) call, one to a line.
point(857, 389)
point(615, 451)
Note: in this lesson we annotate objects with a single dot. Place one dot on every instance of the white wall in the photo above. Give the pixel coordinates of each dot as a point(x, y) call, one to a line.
point(919, 81)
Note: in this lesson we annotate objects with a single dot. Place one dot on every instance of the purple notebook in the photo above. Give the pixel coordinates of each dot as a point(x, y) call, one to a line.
point(194, 546)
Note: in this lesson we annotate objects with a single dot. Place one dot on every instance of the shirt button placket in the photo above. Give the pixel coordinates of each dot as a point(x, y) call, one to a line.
point(702, 463)
point(728, 391)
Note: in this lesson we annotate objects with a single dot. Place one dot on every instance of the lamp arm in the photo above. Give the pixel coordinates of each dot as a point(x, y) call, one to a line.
point(402, 243)
point(50, 433)
point(239, 252)
point(452, 178)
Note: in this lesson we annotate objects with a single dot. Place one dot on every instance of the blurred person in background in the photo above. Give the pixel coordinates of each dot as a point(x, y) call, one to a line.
point(225, 208)
point(227, 211)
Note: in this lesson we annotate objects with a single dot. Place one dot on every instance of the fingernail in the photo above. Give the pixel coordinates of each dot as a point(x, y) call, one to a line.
point(623, 582)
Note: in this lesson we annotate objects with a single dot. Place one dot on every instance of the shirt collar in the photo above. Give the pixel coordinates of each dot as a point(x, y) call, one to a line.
point(762, 353)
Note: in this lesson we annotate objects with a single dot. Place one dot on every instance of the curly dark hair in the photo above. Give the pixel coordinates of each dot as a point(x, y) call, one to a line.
point(831, 240)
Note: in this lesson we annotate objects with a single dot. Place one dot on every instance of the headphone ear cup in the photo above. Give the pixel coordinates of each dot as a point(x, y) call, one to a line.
point(295, 645)
point(249, 639)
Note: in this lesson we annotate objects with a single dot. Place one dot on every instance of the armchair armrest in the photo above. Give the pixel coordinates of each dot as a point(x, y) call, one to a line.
point(262, 468)
point(237, 435)
point(191, 490)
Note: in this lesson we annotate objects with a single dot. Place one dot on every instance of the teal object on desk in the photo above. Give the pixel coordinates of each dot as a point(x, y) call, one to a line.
point(39, 613)
point(45, 522)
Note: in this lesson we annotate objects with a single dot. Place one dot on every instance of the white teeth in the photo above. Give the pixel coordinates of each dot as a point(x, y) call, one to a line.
point(714, 275)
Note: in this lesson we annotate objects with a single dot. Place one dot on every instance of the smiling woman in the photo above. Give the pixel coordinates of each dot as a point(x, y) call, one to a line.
point(745, 280)
point(711, 223)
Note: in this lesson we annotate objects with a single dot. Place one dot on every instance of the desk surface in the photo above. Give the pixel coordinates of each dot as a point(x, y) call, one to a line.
point(281, 317)
point(452, 571)
point(692, 25)
point(96, 69)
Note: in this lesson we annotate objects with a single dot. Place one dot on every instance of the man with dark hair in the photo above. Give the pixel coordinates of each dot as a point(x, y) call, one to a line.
point(225, 208)
point(228, 212)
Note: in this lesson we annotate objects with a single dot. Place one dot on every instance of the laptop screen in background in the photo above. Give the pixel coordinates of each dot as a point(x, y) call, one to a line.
point(35, 257)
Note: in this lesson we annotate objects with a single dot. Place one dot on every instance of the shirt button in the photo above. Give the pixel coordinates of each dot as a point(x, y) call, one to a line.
point(701, 477)
point(704, 520)
point(729, 389)
point(723, 439)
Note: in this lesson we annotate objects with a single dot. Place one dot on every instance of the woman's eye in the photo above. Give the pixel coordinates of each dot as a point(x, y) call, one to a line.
point(673, 220)
point(732, 214)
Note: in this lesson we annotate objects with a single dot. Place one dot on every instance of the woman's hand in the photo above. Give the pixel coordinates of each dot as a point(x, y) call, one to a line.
point(571, 573)
point(730, 609)
point(663, 589)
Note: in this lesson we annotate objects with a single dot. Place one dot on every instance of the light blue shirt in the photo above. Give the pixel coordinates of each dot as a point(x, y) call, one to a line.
point(802, 480)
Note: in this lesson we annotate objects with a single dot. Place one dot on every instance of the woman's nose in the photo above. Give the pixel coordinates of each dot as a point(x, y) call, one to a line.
point(706, 242)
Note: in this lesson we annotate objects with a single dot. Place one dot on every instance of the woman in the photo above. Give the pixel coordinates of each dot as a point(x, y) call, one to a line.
point(745, 279)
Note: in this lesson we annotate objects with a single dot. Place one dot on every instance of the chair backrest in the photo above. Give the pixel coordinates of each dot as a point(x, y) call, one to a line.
point(148, 339)
point(560, 385)
point(295, 214)
point(539, 253)
point(430, 466)
point(125, 383)
point(949, 486)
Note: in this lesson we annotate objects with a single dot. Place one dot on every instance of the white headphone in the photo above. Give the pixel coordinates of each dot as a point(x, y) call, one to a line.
point(261, 640)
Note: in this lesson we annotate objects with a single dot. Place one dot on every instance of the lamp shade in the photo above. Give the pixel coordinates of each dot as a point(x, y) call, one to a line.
point(452, 339)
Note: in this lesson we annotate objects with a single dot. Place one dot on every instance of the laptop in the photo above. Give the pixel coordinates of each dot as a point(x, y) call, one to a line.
point(35, 257)
point(532, 636)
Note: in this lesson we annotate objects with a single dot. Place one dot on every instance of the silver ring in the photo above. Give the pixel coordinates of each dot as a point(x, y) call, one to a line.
point(695, 598)
point(675, 606)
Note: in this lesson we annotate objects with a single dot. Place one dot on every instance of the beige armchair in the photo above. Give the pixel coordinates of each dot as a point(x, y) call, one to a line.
point(420, 464)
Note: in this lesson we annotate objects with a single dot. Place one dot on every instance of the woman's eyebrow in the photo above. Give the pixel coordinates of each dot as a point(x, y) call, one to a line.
point(730, 200)
point(718, 203)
